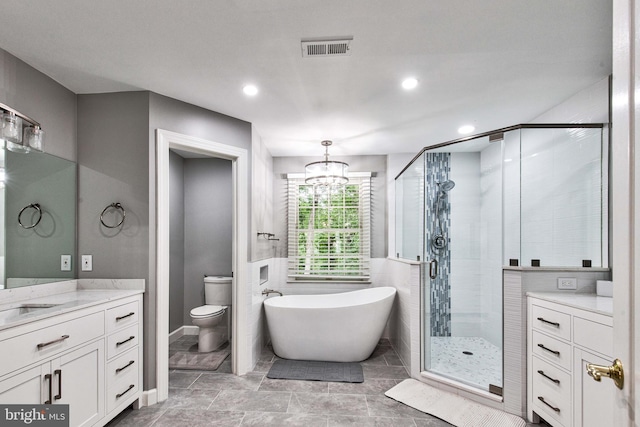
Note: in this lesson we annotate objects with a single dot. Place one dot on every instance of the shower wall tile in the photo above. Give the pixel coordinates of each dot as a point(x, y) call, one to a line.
point(561, 194)
point(395, 164)
point(417, 274)
point(437, 170)
point(491, 182)
point(465, 245)
point(403, 333)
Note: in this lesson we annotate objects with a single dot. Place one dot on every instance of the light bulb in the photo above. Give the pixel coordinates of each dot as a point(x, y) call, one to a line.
point(11, 127)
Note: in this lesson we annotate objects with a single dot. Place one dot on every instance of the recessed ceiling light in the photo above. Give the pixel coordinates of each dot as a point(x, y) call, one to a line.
point(466, 129)
point(250, 90)
point(409, 83)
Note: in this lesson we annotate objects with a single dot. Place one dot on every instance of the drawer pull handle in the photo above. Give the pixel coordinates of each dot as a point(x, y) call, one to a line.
point(542, 319)
point(124, 367)
point(58, 372)
point(541, 399)
point(557, 353)
point(44, 344)
point(119, 318)
point(119, 395)
point(118, 344)
point(541, 372)
point(49, 378)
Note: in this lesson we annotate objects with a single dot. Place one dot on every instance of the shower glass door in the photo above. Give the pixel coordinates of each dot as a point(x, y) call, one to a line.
point(522, 197)
point(463, 254)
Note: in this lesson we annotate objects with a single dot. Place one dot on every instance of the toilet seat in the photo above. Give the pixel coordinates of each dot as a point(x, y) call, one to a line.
point(207, 311)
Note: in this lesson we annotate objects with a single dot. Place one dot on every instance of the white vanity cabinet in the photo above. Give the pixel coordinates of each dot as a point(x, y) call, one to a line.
point(69, 359)
point(565, 332)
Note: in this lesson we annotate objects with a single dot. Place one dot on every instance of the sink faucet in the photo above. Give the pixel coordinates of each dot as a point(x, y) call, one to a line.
point(271, 291)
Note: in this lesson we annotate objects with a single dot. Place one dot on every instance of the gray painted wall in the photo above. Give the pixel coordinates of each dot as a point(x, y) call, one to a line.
point(177, 116)
point(113, 166)
point(176, 245)
point(375, 164)
point(43, 99)
point(116, 140)
point(208, 214)
point(113, 156)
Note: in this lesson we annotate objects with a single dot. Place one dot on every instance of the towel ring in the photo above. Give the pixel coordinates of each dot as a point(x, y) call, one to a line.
point(35, 206)
point(114, 206)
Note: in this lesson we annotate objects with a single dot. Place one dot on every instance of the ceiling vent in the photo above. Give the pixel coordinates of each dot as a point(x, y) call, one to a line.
point(326, 47)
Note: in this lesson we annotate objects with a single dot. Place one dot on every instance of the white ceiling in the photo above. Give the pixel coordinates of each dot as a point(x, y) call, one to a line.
point(491, 63)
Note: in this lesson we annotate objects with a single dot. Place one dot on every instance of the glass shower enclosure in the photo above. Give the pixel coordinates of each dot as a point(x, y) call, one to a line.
point(526, 196)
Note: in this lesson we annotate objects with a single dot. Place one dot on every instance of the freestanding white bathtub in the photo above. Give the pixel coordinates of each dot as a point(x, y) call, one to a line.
point(342, 327)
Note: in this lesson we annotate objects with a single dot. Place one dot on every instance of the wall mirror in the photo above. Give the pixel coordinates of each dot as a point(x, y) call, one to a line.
point(38, 198)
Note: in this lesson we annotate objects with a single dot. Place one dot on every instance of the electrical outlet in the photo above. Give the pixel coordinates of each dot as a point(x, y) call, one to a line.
point(567, 283)
point(65, 262)
point(87, 262)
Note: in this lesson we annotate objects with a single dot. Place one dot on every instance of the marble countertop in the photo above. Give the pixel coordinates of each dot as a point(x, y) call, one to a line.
point(589, 302)
point(65, 303)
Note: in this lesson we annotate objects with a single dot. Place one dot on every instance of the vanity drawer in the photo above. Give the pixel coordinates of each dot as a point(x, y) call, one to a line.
point(120, 368)
point(122, 390)
point(551, 398)
point(551, 349)
point(551, 378)
point(121, 341)
point(592, 335)
point(122, 316)
point(551, 322)
point(23, 350)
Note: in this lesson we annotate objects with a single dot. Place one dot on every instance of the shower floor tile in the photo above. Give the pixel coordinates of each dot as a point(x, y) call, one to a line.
point(450, 358)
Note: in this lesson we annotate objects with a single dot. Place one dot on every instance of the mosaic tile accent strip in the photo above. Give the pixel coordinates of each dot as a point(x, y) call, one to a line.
point(437, 170)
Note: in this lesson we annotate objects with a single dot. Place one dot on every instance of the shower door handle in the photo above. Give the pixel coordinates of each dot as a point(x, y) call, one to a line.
point(433, 268)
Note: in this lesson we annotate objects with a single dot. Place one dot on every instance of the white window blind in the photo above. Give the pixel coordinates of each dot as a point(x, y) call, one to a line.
point(329, 230)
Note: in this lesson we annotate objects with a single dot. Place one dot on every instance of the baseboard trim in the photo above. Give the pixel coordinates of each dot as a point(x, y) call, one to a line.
point(147, 398)
point(182, 331)
point(190, 330)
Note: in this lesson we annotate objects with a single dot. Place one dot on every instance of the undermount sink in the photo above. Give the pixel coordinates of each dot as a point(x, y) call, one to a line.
point(23, 309)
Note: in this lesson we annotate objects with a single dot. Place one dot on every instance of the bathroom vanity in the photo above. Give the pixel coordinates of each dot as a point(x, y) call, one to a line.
point(82, 348)
point(566, 332)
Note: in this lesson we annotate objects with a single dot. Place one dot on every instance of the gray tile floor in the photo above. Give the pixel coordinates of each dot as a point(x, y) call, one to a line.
point(219, 398)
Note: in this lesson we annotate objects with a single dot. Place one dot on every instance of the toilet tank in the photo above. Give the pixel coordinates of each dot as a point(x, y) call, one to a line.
point(217, 290)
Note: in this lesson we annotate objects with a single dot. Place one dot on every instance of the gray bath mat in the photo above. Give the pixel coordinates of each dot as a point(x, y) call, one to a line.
point(454, 409)
point(199, 361)
point(285, 369)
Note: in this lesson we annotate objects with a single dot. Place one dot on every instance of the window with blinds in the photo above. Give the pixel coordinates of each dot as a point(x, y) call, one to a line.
point(329, 230)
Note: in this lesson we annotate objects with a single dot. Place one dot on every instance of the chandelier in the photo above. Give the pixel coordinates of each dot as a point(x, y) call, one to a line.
point(326, 172)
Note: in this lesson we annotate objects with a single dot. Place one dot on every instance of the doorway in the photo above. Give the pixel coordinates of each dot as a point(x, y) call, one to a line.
point(166, 141)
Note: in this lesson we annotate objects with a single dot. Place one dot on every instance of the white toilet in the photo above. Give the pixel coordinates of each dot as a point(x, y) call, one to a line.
point(213, 318)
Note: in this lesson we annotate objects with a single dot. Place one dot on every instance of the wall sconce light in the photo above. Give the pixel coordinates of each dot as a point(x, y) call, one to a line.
point(12, 131)
point(326, 172)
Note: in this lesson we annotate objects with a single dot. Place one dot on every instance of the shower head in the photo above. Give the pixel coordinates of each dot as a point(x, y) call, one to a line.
point(446, 186)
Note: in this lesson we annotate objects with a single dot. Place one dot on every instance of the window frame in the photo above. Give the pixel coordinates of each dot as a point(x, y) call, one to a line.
point(363, 276)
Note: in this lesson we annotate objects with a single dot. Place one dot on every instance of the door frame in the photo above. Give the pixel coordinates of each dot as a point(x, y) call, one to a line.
point(625, 192)
point(166, 140)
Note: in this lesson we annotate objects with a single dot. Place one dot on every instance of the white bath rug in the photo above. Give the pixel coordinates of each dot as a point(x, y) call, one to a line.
point(454, 409)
